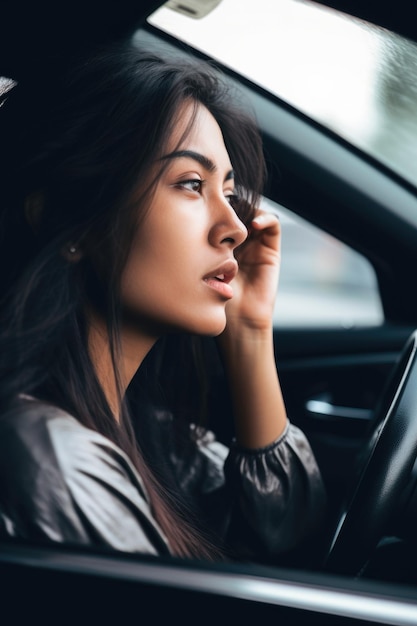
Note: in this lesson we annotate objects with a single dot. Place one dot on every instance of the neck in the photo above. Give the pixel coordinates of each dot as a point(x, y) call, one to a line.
point(133, 349)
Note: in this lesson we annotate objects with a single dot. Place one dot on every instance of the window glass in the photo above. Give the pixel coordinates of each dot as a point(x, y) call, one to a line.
point(351, 76)
point(5, 84)
point(323, 282)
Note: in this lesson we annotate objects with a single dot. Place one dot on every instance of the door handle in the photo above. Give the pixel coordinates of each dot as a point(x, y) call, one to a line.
point(322, 409)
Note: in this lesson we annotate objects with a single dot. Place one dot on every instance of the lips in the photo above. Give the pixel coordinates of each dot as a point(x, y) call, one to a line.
point(220, 278)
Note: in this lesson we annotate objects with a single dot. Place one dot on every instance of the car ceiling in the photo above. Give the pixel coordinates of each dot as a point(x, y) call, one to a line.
point(36, 31)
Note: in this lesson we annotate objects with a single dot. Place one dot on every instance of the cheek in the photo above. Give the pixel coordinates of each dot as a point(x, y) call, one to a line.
point(136, 278)
point(162, 279)
point(154, 267)
point(162, 293)
point(167, 246)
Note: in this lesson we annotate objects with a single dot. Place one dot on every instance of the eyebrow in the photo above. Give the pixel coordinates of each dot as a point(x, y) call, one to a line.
point(200, 158)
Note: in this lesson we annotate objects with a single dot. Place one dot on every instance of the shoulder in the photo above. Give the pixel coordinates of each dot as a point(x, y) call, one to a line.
point(24, 430)
point(64, 481)
point(33, 431)
point(34, 501)
point(32, 424)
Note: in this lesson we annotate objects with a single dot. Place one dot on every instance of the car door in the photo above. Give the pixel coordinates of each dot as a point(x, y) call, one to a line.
point(68, 585)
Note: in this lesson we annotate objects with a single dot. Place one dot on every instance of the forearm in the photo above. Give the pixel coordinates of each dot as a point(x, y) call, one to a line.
point(259, 409)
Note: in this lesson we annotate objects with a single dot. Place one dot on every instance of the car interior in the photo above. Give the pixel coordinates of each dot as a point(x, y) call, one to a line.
point(351, 388)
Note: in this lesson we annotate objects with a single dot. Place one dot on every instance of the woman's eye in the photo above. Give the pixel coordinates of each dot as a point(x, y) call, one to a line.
point(232, 199)
point(194, 184)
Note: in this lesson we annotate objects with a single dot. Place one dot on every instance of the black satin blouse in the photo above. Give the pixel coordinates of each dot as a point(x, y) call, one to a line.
point(63, 482)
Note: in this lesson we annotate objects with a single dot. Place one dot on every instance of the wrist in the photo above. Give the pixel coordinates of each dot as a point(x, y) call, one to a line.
point(246, 333)
point(245, 344)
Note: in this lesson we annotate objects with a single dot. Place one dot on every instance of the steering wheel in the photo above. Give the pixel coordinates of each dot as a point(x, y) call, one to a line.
point(387, 463)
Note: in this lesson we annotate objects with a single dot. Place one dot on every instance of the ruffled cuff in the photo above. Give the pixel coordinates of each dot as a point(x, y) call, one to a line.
point(264, 449)
point(278, 494)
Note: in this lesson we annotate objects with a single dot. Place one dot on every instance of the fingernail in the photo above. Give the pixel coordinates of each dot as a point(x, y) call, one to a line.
point(258, 219)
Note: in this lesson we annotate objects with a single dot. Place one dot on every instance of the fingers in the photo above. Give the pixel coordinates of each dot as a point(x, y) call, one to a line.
point(264, 220)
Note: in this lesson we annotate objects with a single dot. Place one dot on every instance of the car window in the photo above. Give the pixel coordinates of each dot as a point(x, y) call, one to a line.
point(5, 85)
point(355, 78)
point(323, 282)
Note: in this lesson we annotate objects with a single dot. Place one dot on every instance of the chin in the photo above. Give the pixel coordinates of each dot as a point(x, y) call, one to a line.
point(210, 327)
point(207, 321)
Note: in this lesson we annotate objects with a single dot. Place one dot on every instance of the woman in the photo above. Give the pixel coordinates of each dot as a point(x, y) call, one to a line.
point(129, 194)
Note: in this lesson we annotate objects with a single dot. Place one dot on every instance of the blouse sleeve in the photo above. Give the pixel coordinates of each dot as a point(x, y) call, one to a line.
point(62, 482)
point(263, 502)
point(106, 490)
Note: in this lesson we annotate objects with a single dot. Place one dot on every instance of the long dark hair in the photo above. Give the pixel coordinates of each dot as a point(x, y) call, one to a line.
point(75, 165)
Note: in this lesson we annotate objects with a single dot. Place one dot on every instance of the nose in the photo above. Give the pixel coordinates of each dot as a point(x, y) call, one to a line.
point(227, 228)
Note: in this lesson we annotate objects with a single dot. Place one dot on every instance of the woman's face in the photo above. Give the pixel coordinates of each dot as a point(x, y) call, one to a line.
point(179, 274)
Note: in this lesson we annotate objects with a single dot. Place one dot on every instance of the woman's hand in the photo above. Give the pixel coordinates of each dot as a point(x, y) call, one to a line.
point(247, 342)
point(256, 284)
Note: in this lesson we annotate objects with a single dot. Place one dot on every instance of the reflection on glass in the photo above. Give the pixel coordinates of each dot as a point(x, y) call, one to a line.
point(5, 84)
point(357, 79)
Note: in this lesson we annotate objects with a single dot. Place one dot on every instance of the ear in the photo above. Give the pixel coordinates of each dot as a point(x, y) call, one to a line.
point(34, 204)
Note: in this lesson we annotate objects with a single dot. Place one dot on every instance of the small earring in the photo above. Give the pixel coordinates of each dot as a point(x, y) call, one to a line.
point(72, 253)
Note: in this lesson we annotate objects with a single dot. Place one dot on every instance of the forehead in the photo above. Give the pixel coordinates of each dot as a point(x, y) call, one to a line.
point(204, 136)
